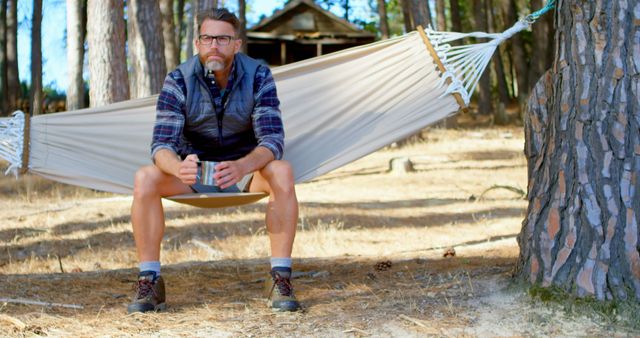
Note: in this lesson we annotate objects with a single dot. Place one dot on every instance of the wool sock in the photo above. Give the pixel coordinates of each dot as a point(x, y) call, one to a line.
point(153, 266)
point(282, 265)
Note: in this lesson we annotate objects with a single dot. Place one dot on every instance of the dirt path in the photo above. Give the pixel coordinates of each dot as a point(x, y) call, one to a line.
point(369, 255)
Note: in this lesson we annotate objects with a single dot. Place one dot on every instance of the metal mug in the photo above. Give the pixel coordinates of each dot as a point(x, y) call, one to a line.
point(206, 169)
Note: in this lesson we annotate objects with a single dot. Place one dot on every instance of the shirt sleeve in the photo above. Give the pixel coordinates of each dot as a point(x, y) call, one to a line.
point(170, 116)
point(267, 122)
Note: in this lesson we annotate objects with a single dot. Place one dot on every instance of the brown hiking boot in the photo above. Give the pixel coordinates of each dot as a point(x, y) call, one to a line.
point(149, 294)
point(280, 292)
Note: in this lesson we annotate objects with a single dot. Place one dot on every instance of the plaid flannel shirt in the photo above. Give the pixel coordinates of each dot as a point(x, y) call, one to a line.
point(171, 112)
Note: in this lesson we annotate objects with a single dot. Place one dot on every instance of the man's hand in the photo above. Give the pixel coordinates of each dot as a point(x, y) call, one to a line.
point(188, 171)
point(228, 173)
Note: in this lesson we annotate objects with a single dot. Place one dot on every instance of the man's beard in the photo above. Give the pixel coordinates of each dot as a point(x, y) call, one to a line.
point(214, 66)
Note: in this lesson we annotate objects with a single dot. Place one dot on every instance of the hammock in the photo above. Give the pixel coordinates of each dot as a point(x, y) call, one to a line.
point(335, 109)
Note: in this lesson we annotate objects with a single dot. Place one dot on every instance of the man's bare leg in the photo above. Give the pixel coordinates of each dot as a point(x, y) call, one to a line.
point(276, 178)
point(147, 214)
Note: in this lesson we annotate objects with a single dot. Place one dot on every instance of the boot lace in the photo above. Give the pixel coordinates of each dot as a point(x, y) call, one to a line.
point(144, 288)
point(283, 284)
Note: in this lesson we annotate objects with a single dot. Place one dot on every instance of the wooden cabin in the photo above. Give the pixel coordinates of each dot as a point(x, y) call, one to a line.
point(302, 30)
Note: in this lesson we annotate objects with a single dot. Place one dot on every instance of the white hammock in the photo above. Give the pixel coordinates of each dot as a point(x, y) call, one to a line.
point(335, 108)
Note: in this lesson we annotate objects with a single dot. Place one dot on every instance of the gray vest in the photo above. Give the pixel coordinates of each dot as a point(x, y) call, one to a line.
point(225, 134)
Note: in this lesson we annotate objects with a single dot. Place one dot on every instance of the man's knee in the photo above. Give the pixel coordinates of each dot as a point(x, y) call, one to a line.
point(146, 181)
point(280, 175)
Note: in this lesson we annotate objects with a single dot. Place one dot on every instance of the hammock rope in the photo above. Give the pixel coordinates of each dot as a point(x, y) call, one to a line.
point(11, 141)
point(465, 64)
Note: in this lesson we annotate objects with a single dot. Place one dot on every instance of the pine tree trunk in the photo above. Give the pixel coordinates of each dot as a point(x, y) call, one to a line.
point(498, 67)
point(583, 148)
point(108, 77)
point(519, 58)
point(421, 13)
point(242, 10)
point(190, 32)
point(75, 55)
point(3, 58)
point(384, 23)
point(13, 78)
point(406, 15)
point(146, 48)
point(456, 22)
point(484, 85)
point(441, 18)
point(180, 23)
point(541, 44)
point(36, 59)
point(171, 51)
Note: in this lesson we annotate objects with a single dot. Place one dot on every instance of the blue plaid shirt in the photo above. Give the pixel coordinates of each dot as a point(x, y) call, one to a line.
point(171, 112)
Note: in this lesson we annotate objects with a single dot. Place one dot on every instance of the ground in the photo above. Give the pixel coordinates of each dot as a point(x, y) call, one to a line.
point(369, 255)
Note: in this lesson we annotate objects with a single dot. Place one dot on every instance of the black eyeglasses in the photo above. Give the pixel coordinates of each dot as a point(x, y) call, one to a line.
point(221, 40)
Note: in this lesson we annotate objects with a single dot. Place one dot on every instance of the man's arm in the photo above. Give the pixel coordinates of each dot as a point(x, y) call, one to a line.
point(170, 163)
point(167, 131)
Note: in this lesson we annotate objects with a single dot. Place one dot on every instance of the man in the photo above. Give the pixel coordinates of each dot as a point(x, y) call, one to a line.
point(220, 105)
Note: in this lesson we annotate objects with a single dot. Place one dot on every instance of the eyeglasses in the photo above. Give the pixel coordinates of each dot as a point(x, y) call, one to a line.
point(221, 40)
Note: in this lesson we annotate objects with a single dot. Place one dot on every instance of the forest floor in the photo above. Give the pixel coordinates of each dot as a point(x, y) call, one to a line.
point(369, 255)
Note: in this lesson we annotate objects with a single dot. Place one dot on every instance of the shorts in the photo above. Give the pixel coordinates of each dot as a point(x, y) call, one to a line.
point(242, 186)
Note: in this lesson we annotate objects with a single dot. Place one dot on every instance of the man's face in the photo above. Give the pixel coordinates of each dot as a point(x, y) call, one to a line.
point(215, 56)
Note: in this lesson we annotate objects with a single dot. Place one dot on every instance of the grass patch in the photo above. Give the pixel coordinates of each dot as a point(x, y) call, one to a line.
point(616, 313)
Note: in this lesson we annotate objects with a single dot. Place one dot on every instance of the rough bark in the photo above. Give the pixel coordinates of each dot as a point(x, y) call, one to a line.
point(406, 15)
point(171, 50)
point(484, 85)
point(441, 18)
point(190, 32)
point(13, 78)
point(583, 149)
point(146, 48)
point(108, 77)
point(3, 57)
point(36, 59)
point(384, 23)
point(75, 54)
point(242, 16)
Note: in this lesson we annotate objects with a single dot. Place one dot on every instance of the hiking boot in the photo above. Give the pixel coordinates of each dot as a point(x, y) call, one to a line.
point(149, 293)
point(280, 291)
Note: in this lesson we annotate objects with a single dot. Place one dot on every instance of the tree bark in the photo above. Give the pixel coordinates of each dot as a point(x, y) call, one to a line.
point(36, 59)
point(520, 57)
point(441, 18)
point(484, 85)
point(13, 79)
point(541, 44)
point(498, 67)
point(421, 13)
point(171, 50)
point(75, 55)
point(384, 23)
point(409, 25)
point(3, 58)
point(456, 22)
point(242, 11)
point(146, 48)
point(583, 150)
point(180, 28)
point(190, 31)
point(108, 75)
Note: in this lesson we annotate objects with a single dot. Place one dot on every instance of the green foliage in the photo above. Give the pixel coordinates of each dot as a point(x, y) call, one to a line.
point(621, 313)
